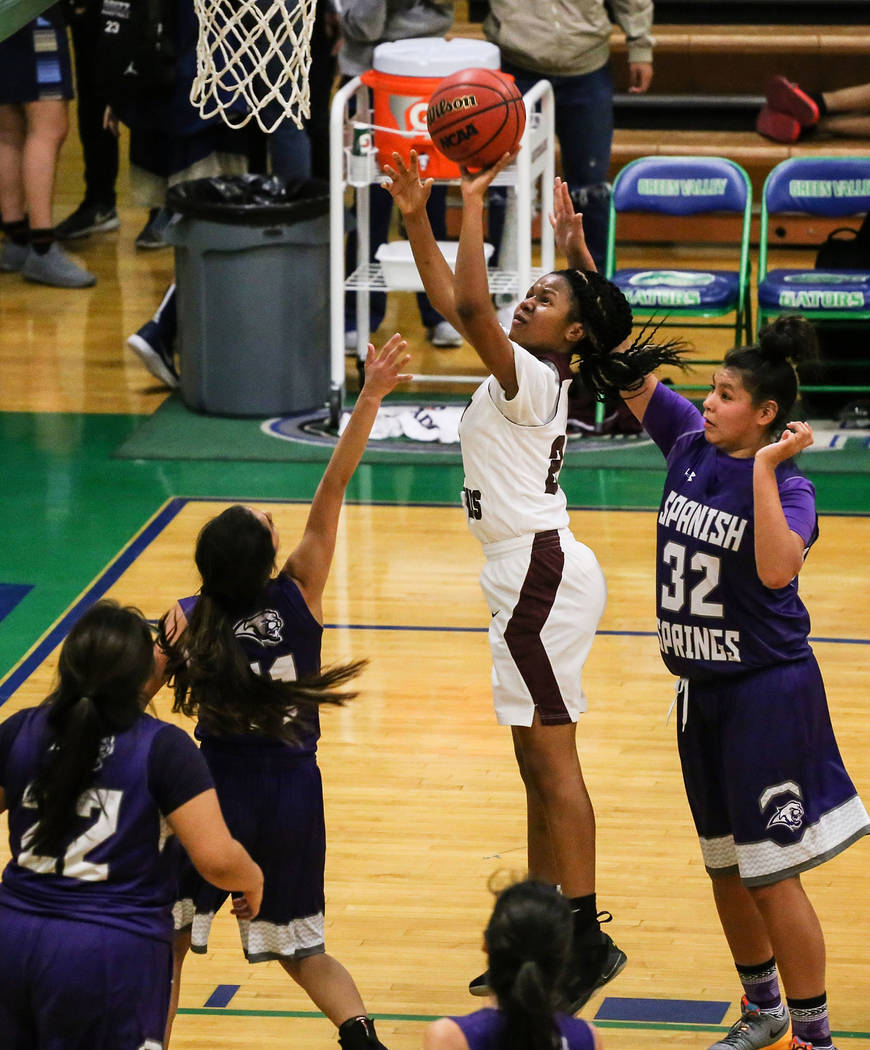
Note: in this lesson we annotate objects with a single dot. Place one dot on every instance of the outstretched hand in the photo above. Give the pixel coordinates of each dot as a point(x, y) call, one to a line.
point(795, 438)
point(476, 183)
point(383, 366)
point(408, 189)
point(568, 229)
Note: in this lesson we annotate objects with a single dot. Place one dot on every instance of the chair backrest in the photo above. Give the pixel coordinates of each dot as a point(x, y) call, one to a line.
point(828, 186)
point(681, 186)
point(831, 186)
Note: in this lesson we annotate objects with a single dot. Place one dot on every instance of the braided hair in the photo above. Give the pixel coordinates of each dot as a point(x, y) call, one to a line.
point(607, 321)
point(767, 368)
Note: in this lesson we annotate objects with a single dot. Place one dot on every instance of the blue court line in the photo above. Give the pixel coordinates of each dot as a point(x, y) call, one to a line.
point(10, 595)
point(104, 581)
point(483, 630)
point(678, 1011)
point(222, 995)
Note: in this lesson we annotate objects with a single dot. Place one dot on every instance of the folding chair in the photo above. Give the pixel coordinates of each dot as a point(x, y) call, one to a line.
point(686, 186)
point(827, 186)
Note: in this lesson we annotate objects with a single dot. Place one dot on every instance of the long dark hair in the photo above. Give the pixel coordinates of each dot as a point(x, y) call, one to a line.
point(528, 939)
point(600, 306)
point(766, 368)
point(104, 664)
point(209, 672)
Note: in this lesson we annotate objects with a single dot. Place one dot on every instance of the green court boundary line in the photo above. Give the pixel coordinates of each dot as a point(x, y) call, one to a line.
point(651, 1026)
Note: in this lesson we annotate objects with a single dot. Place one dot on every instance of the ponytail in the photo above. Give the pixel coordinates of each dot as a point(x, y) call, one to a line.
point(767, 368)
point(528, 940)
point(104, 664)
point(607, 321)
point(208, 670)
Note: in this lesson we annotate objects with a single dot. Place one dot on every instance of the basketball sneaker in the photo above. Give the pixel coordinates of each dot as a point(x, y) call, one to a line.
point(87, 219)
point(786, 97)
point(597, 960)
point(358, 1033)
point(151, 234)
point(149, 347)
point(757, 1031)
point(444, 336)
point(777, 126)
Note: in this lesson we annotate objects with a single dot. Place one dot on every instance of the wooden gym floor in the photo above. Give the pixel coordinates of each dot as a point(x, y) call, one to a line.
point(423, 799)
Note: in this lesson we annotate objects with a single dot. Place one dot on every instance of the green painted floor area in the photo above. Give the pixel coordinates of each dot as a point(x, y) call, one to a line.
point(70, 504)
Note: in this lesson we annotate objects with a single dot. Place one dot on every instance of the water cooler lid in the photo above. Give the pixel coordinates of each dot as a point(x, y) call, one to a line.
point(426, 56)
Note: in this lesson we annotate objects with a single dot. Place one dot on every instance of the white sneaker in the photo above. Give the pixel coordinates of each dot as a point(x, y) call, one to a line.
point(350, 340)
point(444, 335)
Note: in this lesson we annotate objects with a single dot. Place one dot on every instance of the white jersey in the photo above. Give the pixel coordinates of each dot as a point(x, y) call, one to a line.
point(512, 451)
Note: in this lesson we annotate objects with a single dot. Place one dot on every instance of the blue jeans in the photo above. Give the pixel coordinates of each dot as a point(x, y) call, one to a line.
point(584, 127)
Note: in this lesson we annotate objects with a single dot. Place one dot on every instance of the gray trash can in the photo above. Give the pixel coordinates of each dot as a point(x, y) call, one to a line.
point(252, 270)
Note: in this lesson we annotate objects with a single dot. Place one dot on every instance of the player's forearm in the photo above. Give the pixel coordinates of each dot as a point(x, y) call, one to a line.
point(778, 550)
point(472, 285)
point(435, 273)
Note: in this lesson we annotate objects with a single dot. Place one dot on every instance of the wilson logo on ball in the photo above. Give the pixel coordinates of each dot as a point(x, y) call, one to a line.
point(475, 116)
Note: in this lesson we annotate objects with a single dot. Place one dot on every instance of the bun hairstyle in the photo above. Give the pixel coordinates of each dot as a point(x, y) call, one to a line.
point(104, 664)
point(607, 320)
point(767, 368)
point(210, 675)
point(528, 940)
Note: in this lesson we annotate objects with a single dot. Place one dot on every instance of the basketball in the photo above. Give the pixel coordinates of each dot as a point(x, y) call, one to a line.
point(475, 116)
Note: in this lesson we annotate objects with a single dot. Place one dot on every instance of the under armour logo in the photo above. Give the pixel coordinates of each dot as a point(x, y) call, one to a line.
point(690, 474)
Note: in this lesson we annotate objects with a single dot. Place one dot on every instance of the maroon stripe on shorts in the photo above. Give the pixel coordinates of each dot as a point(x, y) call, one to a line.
point(523, 632)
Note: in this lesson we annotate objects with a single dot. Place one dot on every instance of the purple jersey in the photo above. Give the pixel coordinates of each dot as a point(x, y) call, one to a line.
point(484, 1030)
point(714, 615)
point(116, 869)
point(281, 639)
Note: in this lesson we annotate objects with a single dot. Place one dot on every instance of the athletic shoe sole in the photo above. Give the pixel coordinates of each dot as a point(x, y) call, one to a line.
point(786, 97)
point(152, 360)
point(777, 126)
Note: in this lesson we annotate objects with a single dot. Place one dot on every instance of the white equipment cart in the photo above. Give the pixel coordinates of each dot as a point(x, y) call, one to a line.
point(356, 172)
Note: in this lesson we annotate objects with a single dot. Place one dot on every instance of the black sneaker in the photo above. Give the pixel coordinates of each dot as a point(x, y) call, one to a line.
point(480, 985)
point(154, 354)
point(151, 234)
point(358, 1033)
point(597, 960)
point(87, 219)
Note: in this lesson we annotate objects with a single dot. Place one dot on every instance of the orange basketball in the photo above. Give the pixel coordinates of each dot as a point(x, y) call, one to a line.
point(475, 116)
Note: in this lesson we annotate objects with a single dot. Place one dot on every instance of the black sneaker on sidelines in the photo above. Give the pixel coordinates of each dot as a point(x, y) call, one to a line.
point(87, 219)
point(149, 347)
point(151, 234)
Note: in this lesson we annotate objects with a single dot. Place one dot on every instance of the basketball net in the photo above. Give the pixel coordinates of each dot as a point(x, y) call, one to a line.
point(252, 60)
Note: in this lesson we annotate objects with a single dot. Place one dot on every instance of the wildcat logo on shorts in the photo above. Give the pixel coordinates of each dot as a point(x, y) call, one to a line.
point(791, 816)
point(264, 627)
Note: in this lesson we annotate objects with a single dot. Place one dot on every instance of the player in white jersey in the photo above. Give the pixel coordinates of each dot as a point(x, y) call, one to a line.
point(545, 590)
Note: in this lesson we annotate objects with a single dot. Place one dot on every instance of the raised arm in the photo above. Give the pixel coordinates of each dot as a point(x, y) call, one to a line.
point(779, 552)
point(568, 229)
point(411, 192)
point(473, 301)
point(310, 562)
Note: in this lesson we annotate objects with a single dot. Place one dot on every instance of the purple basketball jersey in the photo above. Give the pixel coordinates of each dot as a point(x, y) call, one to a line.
point(281, 639)
point(484, 1030)
point(116, 869)
point(715, 616)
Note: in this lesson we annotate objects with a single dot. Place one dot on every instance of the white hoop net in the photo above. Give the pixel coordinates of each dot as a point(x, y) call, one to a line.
point(252, 60)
